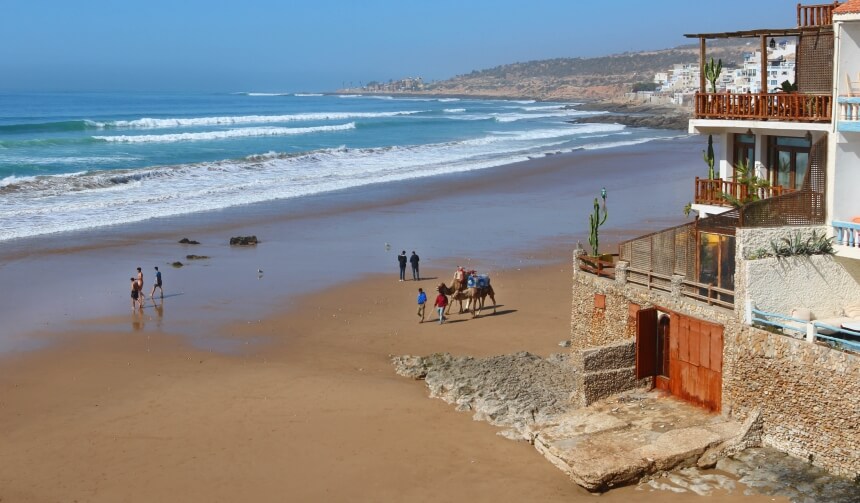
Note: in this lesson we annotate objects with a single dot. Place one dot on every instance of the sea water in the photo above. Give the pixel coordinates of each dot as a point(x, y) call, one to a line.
point(72, 161)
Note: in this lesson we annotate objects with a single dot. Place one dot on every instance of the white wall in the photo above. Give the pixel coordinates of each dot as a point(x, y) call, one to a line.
point(849, 55)
point(846, 180)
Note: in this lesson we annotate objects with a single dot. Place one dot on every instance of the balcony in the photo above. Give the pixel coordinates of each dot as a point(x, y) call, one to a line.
point(847, 234)
point(811, 16)
point(713, 192)
point(849, 114)
point(797, 107)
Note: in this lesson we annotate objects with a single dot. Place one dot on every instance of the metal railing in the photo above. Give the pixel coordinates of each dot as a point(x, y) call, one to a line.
point(774, 106)
point(714, 191)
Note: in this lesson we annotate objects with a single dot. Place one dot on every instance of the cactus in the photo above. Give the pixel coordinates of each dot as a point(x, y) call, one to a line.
point(595, 222)
point(709, 157)
point(712, 72)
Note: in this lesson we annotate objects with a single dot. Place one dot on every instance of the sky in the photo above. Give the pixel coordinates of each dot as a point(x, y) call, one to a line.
point(322, 45)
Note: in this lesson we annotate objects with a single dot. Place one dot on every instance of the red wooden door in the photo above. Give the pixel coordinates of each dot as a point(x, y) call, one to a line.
point(696, 361)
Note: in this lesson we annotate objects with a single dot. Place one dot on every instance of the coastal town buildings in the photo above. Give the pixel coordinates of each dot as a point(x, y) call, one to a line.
point(743, 311)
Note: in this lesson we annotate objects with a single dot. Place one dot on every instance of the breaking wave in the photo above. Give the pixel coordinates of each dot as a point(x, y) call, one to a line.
point(220, 135)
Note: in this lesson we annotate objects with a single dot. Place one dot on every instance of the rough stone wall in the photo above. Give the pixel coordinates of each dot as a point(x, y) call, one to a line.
point(808, 394)
point(604, 371)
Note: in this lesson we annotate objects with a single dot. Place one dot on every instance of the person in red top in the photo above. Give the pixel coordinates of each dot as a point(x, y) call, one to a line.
point(441, 304)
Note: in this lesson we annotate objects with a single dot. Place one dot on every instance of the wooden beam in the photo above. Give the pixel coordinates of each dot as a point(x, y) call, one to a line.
point(763, 88)
point(702, 65)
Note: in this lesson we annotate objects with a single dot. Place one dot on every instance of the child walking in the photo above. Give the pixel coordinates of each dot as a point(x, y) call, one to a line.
point(441, 304)
point(422, 300)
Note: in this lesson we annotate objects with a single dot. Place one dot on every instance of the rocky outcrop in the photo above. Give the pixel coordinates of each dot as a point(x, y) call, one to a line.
point(512, 391)
point(196, 257)
point(243, 241)
point(186, 241)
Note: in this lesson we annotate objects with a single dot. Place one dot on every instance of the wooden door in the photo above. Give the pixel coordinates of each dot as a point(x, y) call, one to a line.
point(646, 343)
point(696, 361)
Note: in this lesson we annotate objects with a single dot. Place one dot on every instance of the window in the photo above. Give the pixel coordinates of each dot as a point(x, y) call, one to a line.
point(717, 262)
point(744, 151)
point(788, 161)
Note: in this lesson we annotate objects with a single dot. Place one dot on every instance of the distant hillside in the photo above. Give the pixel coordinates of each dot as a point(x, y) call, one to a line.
point(604, 77)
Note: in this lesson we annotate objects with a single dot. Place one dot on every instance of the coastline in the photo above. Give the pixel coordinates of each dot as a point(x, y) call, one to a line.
point(280, 387)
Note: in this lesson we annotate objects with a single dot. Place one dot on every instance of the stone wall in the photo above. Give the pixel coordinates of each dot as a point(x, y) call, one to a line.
point(604, 371)
point(808, 394)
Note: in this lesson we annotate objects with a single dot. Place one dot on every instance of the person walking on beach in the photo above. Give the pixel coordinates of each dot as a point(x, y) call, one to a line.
point(135, 294)
point(422, 301)
point(414, 261)
point(157, 284)
point(441, 304)
point(401, 259)
point(140, 285)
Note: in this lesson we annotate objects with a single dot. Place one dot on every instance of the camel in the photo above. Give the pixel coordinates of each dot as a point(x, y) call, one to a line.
point(474, 296)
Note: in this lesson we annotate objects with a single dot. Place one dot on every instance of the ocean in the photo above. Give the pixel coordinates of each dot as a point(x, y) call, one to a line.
point(74, 161)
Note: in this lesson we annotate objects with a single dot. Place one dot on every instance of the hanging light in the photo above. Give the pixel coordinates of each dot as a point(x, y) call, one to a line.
point(809, 136)
point(772, 43)
point(750, 131)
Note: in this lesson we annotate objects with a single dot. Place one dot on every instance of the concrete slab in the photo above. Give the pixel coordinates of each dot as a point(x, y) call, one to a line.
point(621, 439)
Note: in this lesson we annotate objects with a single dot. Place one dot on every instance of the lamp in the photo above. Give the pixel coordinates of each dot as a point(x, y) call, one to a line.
point(750, 131)
point(772, 43)
point(808, 136)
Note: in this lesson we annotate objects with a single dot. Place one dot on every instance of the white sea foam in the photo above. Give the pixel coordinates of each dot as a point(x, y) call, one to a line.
point(446, 100)
point(46, 161)
point(454, 110)
point(302, 95)
point(350, 96)
point(152, 123)
point(220, 135)
point(513, 117)
point(266, 94)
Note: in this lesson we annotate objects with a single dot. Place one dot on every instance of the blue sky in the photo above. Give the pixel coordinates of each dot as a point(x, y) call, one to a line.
point(317, 45)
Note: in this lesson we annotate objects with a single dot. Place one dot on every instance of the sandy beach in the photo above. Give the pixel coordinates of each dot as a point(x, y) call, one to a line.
point(277, 386)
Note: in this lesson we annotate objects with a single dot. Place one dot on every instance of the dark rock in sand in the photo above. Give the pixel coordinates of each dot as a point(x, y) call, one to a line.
point(243, 240)
point(673, 121)
point(196, 257)
point(186, 241)
point(177, 264)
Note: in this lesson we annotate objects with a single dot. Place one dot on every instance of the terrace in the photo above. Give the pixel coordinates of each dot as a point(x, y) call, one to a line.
point(813, 101)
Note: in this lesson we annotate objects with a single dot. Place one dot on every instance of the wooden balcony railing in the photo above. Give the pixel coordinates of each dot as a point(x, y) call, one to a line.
point(810, 16)
point(764, 106)
point(713, 191)
point(603, 265)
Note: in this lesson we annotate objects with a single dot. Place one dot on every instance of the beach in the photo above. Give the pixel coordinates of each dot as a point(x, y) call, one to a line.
point(277, 385)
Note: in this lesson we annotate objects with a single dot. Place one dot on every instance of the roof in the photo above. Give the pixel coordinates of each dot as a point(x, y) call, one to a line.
point(849, 7)
point(773, 32)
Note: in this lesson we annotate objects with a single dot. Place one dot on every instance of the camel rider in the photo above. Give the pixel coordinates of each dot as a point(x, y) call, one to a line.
point(459, 277)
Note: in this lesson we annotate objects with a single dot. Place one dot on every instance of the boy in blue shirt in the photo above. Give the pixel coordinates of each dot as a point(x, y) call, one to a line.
point(157, 284)
point(422, 299)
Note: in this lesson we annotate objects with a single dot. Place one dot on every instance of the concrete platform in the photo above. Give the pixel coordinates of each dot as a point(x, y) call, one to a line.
point(619, 440)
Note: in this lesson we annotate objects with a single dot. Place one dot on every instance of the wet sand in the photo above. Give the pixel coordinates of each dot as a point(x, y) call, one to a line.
point(279, 388)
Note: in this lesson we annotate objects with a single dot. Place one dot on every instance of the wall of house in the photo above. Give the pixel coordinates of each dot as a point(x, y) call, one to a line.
point(849, 55)
point(846, 202)
point(818, 283)
point(807, 394)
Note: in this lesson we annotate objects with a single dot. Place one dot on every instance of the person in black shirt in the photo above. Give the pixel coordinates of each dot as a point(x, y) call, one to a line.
point(414, 261)
point(402, 260)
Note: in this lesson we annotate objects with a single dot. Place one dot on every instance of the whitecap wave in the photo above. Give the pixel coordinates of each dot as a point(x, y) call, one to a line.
point(266, 94)
point(151, 123)
point(221, 135)
point(446, 100)
point(304, 95)
point(454, 110)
